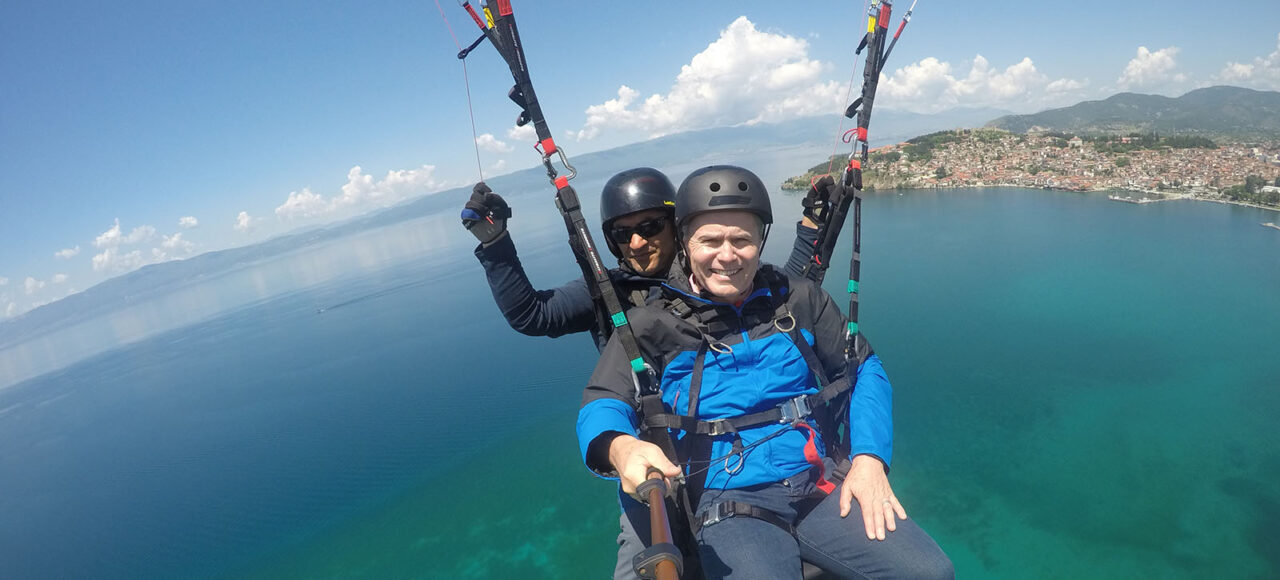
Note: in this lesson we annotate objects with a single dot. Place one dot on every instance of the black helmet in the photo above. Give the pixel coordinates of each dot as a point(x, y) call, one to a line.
point(631, 191)
point(721, 187)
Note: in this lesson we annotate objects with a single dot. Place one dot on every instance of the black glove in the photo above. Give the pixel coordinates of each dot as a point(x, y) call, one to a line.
point(818, 200)
point(485, 215)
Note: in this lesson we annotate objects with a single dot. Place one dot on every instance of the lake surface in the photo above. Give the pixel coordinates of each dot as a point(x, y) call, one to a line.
point(1082, 389)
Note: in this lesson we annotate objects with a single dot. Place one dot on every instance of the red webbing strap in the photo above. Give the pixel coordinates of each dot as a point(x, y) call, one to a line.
point(813, 458)
point(504, 7)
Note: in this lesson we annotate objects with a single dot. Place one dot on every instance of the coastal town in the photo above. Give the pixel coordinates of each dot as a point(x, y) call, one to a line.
point(1138, 168)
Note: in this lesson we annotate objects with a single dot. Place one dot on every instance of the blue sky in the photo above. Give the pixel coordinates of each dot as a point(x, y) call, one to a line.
point(149, 131)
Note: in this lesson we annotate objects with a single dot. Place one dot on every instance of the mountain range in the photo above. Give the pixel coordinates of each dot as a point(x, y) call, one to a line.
point(1221, 113)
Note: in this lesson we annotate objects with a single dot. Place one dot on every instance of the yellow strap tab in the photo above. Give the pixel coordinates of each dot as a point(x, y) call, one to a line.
point(871, 24)
point(488, 17)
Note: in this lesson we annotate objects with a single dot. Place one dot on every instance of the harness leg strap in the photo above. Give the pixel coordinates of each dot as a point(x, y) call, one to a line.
point(727, 509)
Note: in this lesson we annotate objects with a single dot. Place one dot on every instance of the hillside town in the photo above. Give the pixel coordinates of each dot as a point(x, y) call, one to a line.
point(1136, 168)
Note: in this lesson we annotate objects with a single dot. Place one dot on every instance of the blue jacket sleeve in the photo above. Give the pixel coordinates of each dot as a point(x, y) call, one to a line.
point(801, 251)
point(871, 412)
point(608, 404)
point(564, 310)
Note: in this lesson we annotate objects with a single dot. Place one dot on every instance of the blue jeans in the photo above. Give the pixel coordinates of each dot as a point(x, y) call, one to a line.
point(740, 547)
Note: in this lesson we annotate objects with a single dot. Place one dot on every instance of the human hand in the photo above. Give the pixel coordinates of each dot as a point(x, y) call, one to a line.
point(632, 458)
point(485, 214)
point(868, 483)
point(818, 200)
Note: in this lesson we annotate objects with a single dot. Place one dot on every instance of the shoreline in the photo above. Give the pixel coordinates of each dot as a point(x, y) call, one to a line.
point(1165, 195)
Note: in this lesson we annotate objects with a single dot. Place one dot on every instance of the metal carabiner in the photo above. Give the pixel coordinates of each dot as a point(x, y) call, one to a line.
point(564, 160)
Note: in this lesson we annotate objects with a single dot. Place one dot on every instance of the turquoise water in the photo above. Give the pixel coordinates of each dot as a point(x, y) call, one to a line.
point(1082, 389)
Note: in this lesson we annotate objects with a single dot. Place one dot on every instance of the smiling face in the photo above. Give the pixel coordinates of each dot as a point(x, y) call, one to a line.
point(724, 253)
point(647, 256)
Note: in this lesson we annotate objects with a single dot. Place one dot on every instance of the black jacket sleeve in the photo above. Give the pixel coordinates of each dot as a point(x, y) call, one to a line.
point(564, 310)
point(801, 252)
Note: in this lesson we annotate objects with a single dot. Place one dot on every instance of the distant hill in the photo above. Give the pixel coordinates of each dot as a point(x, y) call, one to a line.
point(1221, 113)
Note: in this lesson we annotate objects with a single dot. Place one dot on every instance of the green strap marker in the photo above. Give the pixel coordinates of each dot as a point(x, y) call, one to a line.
point(853, 286)
point(619, 320)
point(853, 328)
point(637, 365)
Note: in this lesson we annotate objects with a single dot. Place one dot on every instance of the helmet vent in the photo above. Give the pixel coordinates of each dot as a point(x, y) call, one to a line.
point(715, 186)
point(742, 186)
point(720, 200)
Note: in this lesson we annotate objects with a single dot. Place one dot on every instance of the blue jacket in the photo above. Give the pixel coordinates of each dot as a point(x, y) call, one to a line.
point(760, 369)
point(569, 309)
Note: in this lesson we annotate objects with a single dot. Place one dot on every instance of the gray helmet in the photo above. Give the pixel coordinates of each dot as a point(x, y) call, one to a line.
point(721, 187)
point(631, 191)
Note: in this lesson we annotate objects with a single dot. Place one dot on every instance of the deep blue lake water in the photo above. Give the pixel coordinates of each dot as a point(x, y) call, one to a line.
point(1082, 389)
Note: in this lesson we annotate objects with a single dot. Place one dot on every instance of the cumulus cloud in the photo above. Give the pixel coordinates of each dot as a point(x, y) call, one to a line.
point(31, 285)
point(362, 191)
point(188, 222)
point(487, 142)
point(114, 258)
point(109, 238)
point(113, 237)
point(523, 133)
point(244, 221)
point(59, 279)
point(1151, 69)
point(113, 261)
point(67, 253)
point(1262, 73)
point(11, 310)
point(172, 247)
point(744, 76)
point(930, 85)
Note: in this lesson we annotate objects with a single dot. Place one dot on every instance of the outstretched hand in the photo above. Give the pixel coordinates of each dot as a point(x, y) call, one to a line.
point(868, 484)
point(632, 459)
point(485, 214)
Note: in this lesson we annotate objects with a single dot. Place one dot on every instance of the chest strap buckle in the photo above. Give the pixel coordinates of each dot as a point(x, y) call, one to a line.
point(795, 409)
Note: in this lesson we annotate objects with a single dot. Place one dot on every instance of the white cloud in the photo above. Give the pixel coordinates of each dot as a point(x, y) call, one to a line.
point(361, 192)
point(31, 285)
point(140, 234)
point(3, 281)
point(1262, 73)
point(176, 244)
point(929, 86)
point(109, 238)
point(745, 76)
point(1151, 69)
point(487, 142)
point(188, 222)
point(499, 165)
point(302, 204)
point(523, 133)
point(243, 221)
point(112, 237)
point(112, 261)
point(67, 253)
point(10, 310)
point(59, 279)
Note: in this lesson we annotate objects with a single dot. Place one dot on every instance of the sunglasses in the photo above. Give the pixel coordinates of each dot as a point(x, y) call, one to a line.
point(645, 229)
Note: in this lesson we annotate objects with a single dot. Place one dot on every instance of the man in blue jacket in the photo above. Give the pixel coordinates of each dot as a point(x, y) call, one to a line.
point(748, 359)
point(638, 222)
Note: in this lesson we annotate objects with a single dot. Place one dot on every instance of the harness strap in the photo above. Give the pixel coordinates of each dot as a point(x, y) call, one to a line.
point(695, 380)
point(724, 510)
point(811, 455)
point(789, 411)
